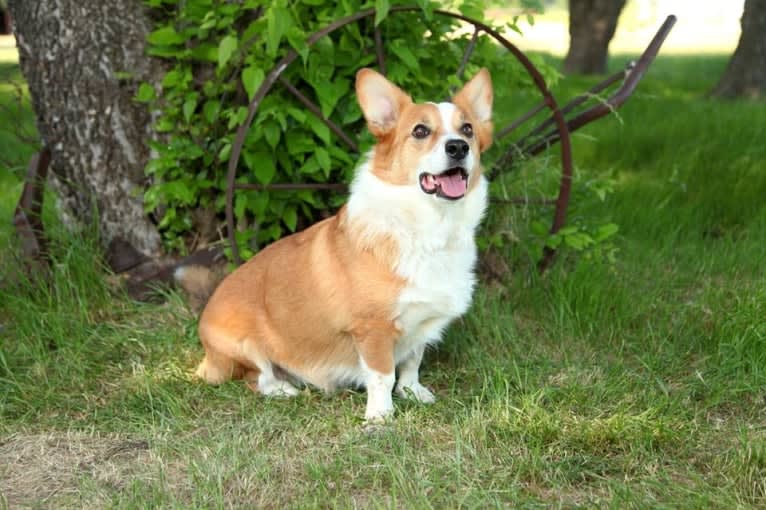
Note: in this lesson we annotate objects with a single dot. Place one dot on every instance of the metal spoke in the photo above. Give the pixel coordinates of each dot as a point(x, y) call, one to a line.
point(467, 53)
point(313, 108)
point(379, 52)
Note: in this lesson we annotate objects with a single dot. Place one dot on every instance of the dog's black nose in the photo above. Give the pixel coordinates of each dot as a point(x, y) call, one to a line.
point(456, 149)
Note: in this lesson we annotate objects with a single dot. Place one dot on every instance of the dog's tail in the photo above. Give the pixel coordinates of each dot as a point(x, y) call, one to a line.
point(198, 282)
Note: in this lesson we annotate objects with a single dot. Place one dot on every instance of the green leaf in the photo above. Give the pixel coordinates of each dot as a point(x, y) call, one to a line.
point(405, 54)
point(300, 145)
point(297, 40)
point(178, 190)
point(578, 241)
point(272, 133)
point(124, 75)
point(340, 154)
point(240, 203)
point(381, 11)
point(254, 29)
point(568, 231)
point(539, 228)
point(427, 7)
point(225, 152)
point(154, 166)
point(151, 198)
point(211, 109)
point(274, 232)
point(188, 108)
point(290, 217)
point(264, 167)
point(278, 21)
point(319, 128)
point(605, 231)
point(472, 9)
point(323, 157)
point(164, 125)
point(297, 114)
point(208, 21)
point(165, 36)
point(514, 25)
point(145, 93)
point(226, 48)
point(170, 52)
point(205, 52)
point(311, 166)
point(237, 117)
point(167, 218)
point(252, 77)
point(171, 79)
point(329, 93)
point(553, 241)
point(257, 202)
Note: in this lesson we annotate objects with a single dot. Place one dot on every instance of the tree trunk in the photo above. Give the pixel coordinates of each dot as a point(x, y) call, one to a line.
point(591, 26)
point(83, 61)
point(5, 21)
point(746, 73)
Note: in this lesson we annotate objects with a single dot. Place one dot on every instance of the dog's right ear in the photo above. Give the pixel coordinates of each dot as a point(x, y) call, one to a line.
point(381, 101)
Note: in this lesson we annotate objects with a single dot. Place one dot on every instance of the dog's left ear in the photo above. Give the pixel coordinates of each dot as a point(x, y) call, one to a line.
point(382, 102)
point(475, 98)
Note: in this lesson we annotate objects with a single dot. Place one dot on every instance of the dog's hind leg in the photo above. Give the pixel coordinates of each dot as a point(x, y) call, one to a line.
point(269, 384)
point(222, 361)
point(217, 368)
point(236, 356)
point(266, 378)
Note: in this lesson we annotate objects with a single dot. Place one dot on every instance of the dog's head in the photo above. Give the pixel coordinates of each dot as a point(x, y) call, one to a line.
point(433, 146)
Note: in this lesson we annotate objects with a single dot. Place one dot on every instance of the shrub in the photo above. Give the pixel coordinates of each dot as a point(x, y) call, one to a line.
point(220, 52)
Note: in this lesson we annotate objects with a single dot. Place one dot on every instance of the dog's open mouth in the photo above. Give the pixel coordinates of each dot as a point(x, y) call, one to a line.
point(450, 184)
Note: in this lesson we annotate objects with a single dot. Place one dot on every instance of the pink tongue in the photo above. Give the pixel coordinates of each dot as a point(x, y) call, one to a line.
point(452, 185)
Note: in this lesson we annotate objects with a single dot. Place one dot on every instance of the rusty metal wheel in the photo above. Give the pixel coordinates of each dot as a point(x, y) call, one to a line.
point(556, 128)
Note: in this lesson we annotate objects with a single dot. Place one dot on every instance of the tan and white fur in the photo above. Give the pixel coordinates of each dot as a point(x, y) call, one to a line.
point(357, 297)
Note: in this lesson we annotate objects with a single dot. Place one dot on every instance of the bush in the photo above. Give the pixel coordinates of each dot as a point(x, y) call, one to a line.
point(221, 51)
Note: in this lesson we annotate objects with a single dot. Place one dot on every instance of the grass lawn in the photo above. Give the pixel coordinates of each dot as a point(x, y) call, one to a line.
point(640, 383)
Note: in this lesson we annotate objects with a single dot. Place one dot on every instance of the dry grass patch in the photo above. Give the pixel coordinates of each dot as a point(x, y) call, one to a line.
point(50, 469)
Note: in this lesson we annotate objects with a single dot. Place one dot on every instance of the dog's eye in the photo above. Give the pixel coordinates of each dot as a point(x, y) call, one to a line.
point(467, 130)
point(420, 131)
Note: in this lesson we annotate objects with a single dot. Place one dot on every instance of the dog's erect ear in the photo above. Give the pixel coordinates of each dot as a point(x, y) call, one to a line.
point(475, 98)
point(381, 101)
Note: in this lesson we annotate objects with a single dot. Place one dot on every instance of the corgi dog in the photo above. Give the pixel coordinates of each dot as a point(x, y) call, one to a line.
point(357, 297)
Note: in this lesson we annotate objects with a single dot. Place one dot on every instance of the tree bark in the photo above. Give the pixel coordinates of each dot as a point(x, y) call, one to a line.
point(5, 21)
point(83, 61)
point(591, 26)
point(745, 76)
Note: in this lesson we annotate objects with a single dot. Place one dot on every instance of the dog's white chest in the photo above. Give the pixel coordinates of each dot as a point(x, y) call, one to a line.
point(439, 289)
point(437, 252)
point(437, 263)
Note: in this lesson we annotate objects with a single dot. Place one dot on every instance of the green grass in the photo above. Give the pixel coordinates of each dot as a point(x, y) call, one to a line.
point(638, 384)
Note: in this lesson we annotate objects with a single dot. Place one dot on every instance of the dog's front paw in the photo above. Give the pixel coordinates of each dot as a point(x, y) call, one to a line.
point(378, 414)
point(416, 392)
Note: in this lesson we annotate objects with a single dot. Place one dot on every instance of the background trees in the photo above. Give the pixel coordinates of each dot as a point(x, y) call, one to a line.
point(746, 72)
point(591, 26)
